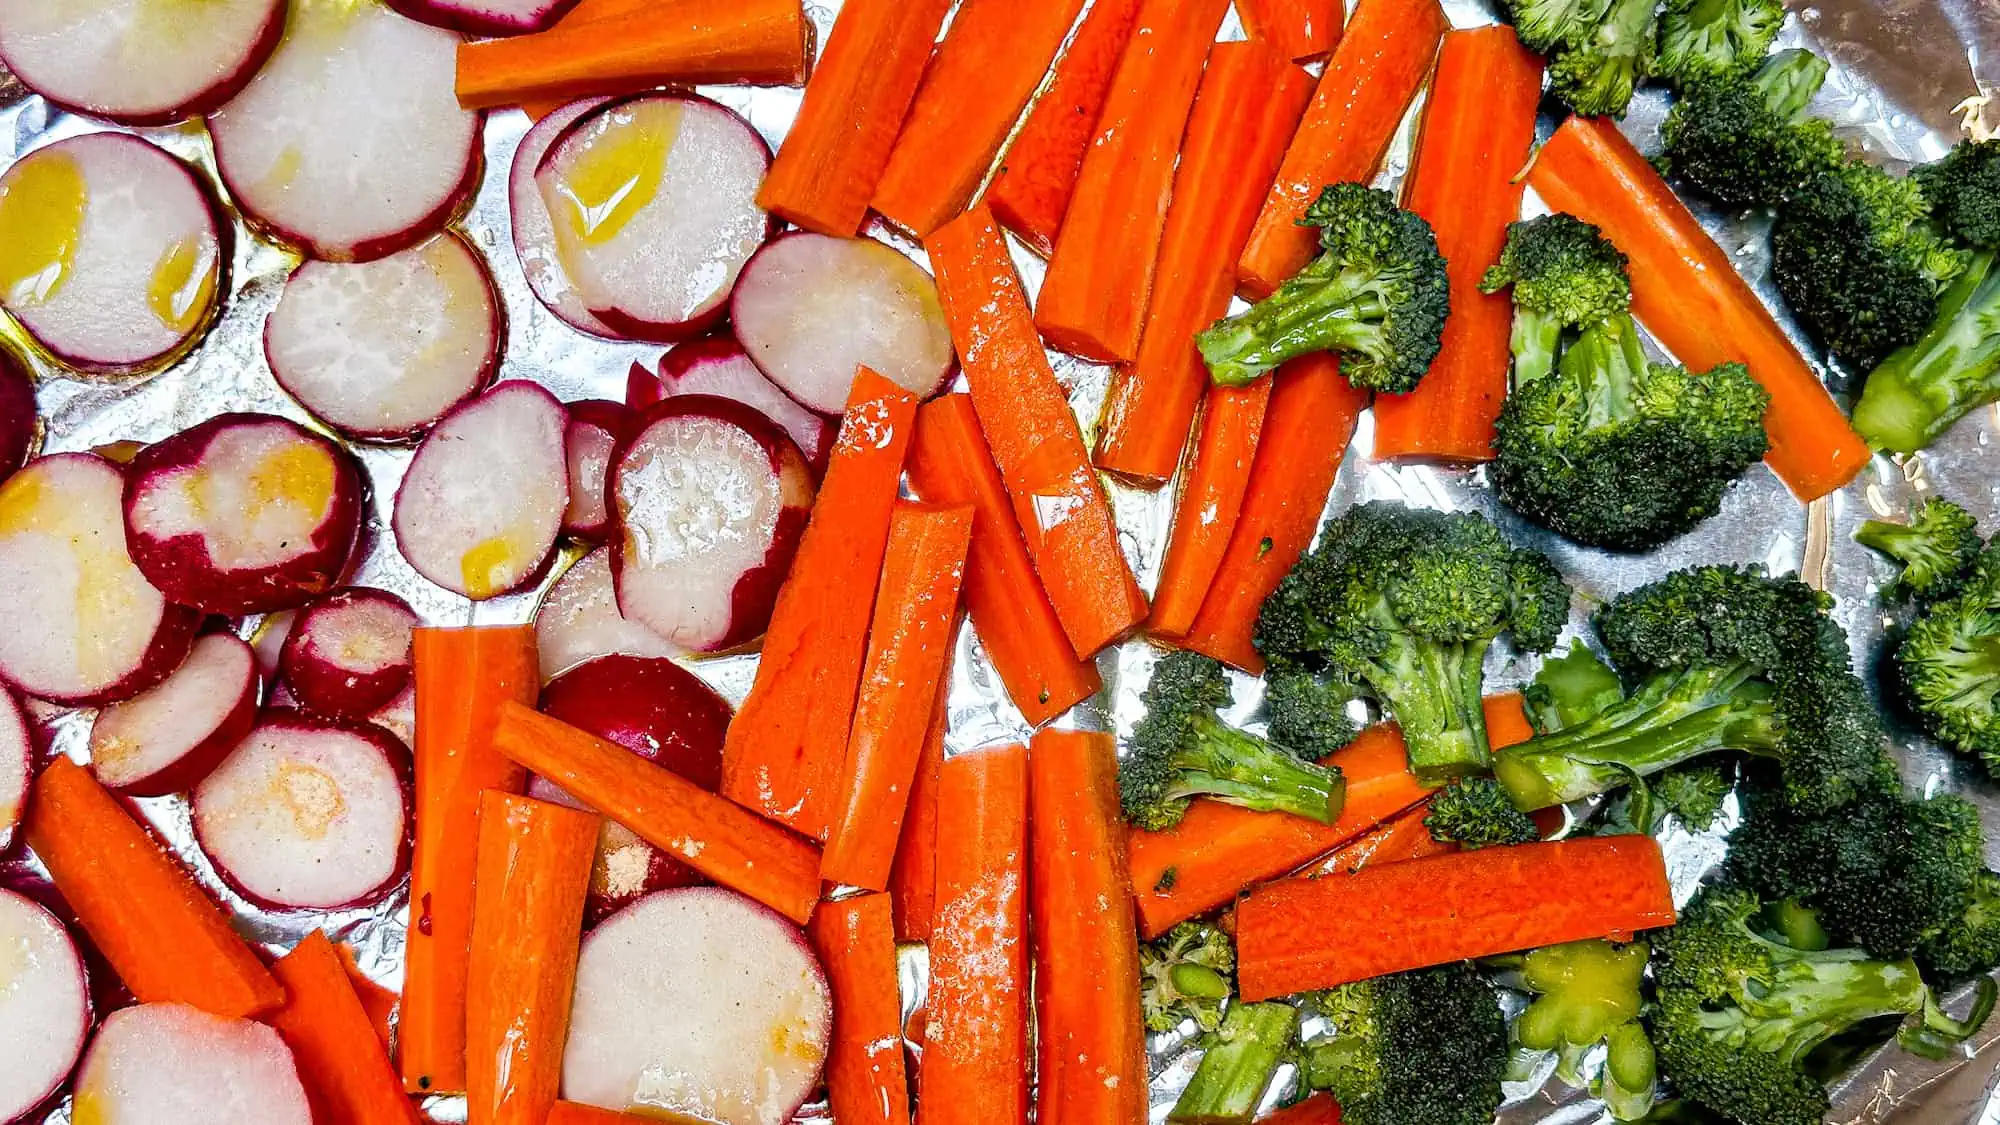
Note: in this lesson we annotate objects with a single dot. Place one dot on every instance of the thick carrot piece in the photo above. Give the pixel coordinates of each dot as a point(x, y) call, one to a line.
point(462, 677)
point(789, 740)
point(1297, 935)
point(909, 647)
point(378, 1002)
point(1036, 443)
point(1023, 637)
point(1688, 292)
point(1373, 76)
point(574, 1113)
point(1310, 420)
point(168, 941)
point(717, 837)
point(913, 880)
point(1093, 300)
point(344, 1066)
point(1210, 502)
point(1301, 30)
point(1227, 161)
point(1319, 1109)
point(533, 875)
point(865, 1080)
point(832, 160)
point(1479, 126)
point(1090, 1036)
point(975, 1065)
point(1403, 837)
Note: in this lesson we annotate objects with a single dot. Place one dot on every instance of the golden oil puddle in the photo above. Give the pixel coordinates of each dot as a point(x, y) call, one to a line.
point(41, 222)
point(183, 284)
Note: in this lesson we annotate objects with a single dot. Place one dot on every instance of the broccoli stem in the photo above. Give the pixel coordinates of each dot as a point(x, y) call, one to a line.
point(1225, 764)
point(1916, 394)
point(1535, 339)
point(1321, 309)
point(1812, 997)
point(1433, 690)
point(1606, 363)
point(1235, 1070)
point(1789, 80)
point(1631, 1073)
point(1198, 981)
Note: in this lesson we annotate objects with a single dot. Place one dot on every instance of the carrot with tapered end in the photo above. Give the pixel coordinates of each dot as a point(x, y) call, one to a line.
point(1093, 299)
point(1211, 499)
point(1226, 164)
point(1405, 836)
point(787, 744)
point(1090, 1036)
point(913, 880)
point(865, 1080)
point(1689, 294)
point(720, 839)
point(1479, 125)
point(1373, 76)
point(344, 1066)
point(532, 876)
point(909, 646)
point(167, 940)
point(1301, 30)
point(379, 1003)
point(462, 677)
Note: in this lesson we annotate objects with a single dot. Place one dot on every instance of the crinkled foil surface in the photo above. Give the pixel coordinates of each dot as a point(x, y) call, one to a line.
point(1907, 75)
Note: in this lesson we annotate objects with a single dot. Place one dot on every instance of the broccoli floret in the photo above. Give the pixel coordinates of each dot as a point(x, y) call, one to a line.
point(1693, 794)
point(1746, 140)
point(1182, 750)
point(1421, 1048)
point(1403, 603)
point(1937, 549)
point(1709, 40)
point(1950, 371)
point(1565, 274)
point(1308, 714)
point(1949, 665)
point(1964, 190)
point(1571, 689)
point(1474, 812)
point(1968, 946)
point(1241, 1058)
point(1595, 73)
point(1377, 295)
point(1186, 975)
point(1544, 25)
point(1587, 992)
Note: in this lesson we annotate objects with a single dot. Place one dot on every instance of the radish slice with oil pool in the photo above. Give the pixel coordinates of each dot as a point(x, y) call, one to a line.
point(578, 620)
point(348, 656)
point(350, 143)
point(17, 768)
point(535, 232)
point(596, 426)
point(112, 252)
point(481, 506)
point(44, 1008)
point(486, 17)
point(18, 421)
point(381, 350)
point(171, 1064)
point(104, 57)
point(718, 365)
point(168, 739)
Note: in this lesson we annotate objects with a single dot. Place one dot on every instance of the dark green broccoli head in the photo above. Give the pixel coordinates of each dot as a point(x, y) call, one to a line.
point(1308, 714)
point(1420, 1048)
point(1570, 689)
point(1186, 974)
point(1746, 139)
point(1564, 274)
point(1952, 369)
point(1949, 664)
point(1705, 41)
point(1969, 946)
point(1937, 549)
point(1964, 190)
point(1596, 72)
point(1474, 812)
point(1693, 794)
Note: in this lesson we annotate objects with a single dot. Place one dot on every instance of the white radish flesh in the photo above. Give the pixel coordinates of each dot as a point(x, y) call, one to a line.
point(718, 365)
point(105, 57)
point(349, 655)
point(486, 17)
point(596, 426)
point(381, 350)
point(18, 421)
point(482, 504)
point(535, 232)
point(17, 767)
point(168, 739)
point(170, 1064)
point(111, 252)
point(44, 1005)
point(578, 620)
point(698, 1003)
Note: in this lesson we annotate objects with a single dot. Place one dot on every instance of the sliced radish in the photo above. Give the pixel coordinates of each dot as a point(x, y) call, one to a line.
point(173, 736)
point(17, 415)
point(350, 142)
point(698, 1003)
point(399, 717)
point(718, 365)
point(243, 513)
point(578, 620)
point(810, 308)
point(486, 17)
point(711, 498)
point(44, 1005)
point(480, 508)
point(653, 208)
point(348, 656)
point(112, 252)
point(83, 624)
point(308, 813)
point(596, 426)
point(105, 57)
point(171, 1064)
point(382, 350)
point(643, 386)
point(17, 766)
point(535, 232)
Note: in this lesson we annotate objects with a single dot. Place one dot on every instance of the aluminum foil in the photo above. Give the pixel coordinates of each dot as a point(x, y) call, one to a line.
point(1907, 76)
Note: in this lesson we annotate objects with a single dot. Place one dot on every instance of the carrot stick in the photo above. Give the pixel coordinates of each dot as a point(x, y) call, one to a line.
point(909, 646)
point(1036, 443)
point(788, 743)
point(1226, 164)
point(749, 42)
point(462, 678)
point(533, 875)
point(913, 879)
point(378, 1002)
point(734, 847)
point(975, 1064)
point(950, 464)
point(1090, 1039)
point(834, 156)
point(1402, 837)
point(1093, 299)
point(1217, 850)
point(1310, 420)
point(1301, 30)
point(1478, 128)
point(1687, 291)
point(979, 79)
point(1211, 500)
point(167, 940)
point(575, 1113)
point(865, 1082)
point(1369, 84)
point(344, 1066)
point(1319, 1109)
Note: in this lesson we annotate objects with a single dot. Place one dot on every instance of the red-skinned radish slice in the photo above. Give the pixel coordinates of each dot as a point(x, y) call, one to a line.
point(486, 17)
point(348, 655)
point(18, 421)
point(399, 716)
point(652, 204)
point(243, 513)
point(578, 620)
point(170, 738)
point(711, 498)
point(381, 350)
point(697, 1002)
point(481, 506)
point(643, 387)
point(350, 143)
point(596, 426)
point(105, 57)
point(44, 1005)
point(84, 626)
point(17, 768)
point(535, 232)
point(308, 813)
point(171, 1064)
point(718, 365)
point(810, 308)
point(112, 252)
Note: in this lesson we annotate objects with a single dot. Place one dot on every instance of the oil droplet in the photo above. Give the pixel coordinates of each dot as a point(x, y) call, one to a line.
point(283, 171)
point(618, 172)
point(20, 504)
point(484, 567)
point(88, 1107)
point(182, 284)
point(311, 796)
point(103, 596)
point(41, 221)
point(299, 475)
